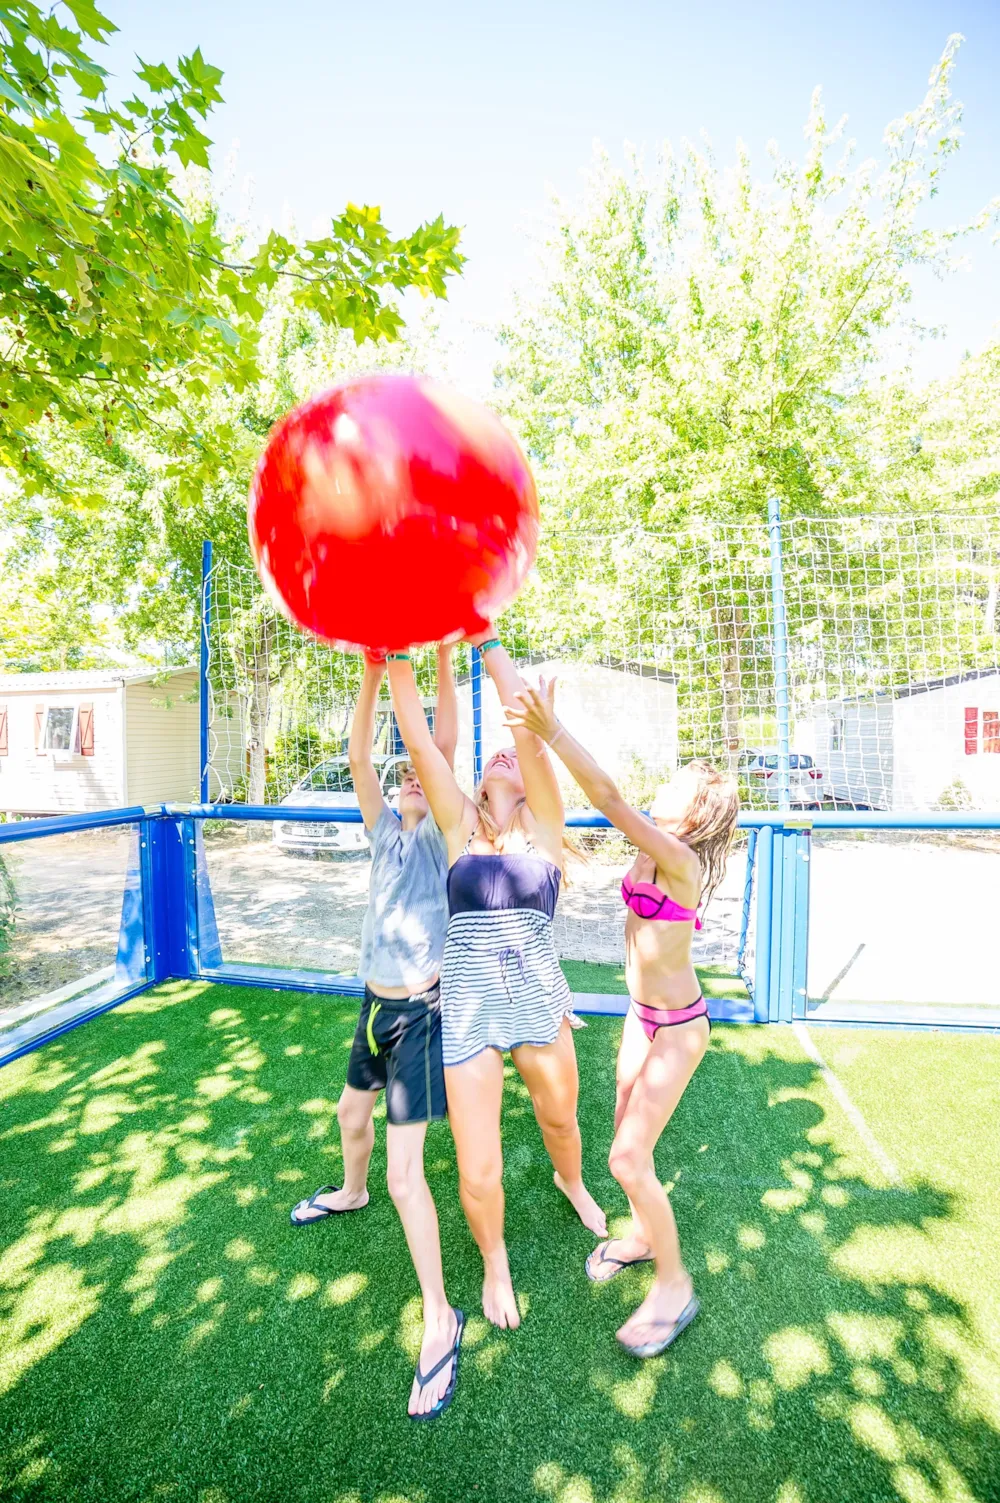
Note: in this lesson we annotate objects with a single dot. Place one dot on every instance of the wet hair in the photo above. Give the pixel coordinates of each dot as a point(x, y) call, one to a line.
point(709, 823)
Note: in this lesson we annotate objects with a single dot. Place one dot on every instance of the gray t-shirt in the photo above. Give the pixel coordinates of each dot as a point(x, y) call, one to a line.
point(402, 938)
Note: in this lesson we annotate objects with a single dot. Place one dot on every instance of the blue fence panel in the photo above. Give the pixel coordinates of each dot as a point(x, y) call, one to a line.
point(166, 922)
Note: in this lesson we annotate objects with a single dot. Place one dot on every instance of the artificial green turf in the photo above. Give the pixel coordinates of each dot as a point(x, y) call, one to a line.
point(585, 976)
point(167, 1335)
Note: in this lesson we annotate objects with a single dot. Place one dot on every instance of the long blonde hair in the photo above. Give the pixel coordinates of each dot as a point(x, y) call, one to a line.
point(515, 825)
point(710, 822)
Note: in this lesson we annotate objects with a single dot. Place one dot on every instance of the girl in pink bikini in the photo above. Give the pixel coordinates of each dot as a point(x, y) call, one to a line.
point(682, 858)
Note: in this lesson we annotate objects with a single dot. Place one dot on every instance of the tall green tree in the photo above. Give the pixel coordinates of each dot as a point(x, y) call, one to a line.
point(700, 340)
point(118, 299)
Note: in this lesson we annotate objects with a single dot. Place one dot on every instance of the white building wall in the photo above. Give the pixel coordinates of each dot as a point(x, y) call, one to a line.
point(929, 746)
point(620, 717)
point(860, 769)
point(61, 782)
point(161, 736)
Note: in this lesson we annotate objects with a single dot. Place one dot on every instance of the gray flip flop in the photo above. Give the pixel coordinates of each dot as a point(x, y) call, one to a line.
point(600, 1252)
point(450, 1356)
point(312, 1204)
point(675, 1327)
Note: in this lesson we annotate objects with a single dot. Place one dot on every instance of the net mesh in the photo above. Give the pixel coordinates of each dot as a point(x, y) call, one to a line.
point(664, 649)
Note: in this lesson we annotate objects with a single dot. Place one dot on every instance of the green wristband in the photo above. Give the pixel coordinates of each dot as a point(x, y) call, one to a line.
point(397, 657)
point(493, 642)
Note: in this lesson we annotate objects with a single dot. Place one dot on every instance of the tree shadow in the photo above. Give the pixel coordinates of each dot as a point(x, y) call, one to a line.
point(166, 1334)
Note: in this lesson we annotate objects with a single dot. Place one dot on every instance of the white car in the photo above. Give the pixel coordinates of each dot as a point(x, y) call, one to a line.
point(330, 786)
point(805, 780)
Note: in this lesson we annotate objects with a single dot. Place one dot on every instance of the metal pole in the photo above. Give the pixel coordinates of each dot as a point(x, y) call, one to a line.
point(203, 706)
point(780, 628)
point(747, 894)
point(762, 939)
point(477, 717)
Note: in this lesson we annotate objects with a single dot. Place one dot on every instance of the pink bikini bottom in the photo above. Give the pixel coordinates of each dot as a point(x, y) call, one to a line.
point(653, 1018)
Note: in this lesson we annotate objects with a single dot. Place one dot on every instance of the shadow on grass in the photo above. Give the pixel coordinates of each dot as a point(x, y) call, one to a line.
point(166, 1334)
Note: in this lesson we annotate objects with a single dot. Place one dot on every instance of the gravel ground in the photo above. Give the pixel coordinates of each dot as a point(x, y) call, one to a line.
point(274, 908)
point(69, 890)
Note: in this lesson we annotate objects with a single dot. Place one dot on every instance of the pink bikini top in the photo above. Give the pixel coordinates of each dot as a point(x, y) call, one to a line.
point(650, 903)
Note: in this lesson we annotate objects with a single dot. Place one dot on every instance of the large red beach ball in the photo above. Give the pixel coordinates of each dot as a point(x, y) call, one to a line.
point(390, 511)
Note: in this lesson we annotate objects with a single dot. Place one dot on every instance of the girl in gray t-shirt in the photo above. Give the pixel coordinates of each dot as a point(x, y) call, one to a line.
point(397, 1042)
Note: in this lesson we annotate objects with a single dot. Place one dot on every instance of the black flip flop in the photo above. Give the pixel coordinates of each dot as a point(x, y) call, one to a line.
point(654, 1348)
point(324, 1211)
point(603, 1259)
point(424, 1378)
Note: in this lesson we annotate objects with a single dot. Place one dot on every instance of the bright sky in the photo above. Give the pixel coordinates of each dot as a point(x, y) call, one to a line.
point(482, 110)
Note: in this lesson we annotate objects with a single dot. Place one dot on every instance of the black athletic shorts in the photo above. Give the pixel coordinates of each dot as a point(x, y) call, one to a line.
point(397, 1048)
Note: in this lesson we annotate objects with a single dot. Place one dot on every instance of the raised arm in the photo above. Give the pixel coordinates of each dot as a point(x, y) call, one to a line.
point(359, 747)
point(534, 710)
point(455, 814)
point(446, 719)
point(541, 788)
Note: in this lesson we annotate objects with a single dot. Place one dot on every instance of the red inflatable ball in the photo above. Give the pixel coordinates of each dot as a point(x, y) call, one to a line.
point(390, 512)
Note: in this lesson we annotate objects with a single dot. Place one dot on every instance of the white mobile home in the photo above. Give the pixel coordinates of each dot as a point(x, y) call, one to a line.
point(914, 747)
point(624, 715)
point(76, 742)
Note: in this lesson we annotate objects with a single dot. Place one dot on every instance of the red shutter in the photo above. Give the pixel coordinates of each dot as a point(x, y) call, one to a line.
point(991, 731)
point(971, 732)
point(39, 722)
point(86, 730)
point(3, 730)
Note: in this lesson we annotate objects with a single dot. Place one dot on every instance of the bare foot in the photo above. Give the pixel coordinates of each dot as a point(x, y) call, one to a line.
point(325, 1201)
point(657, 1313)
point(584, 1205)
point(499, 1302)
point(439, 1338)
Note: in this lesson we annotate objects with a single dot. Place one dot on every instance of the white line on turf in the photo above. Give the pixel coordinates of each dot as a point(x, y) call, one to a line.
point(839, 1091)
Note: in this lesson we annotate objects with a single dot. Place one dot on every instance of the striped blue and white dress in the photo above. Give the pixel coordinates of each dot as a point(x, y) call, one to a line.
point(501, 982)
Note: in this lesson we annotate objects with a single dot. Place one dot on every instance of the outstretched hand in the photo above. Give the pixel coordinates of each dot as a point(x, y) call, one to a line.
point(535, 711)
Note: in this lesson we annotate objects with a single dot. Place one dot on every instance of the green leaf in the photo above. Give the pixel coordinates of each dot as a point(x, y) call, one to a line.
point(9, 92)
point(157, 77)
point(90, 20)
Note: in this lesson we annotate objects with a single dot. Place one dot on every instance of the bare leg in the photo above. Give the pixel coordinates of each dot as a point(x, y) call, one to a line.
point(357, 1139)
point(671, 1060)
point(549, 1071)
point(413, 1200)
point(475, 1089)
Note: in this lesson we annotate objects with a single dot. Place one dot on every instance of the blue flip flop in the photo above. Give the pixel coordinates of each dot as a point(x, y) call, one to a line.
point(424, 1378)
point(674, 1328)
point(311, 1205)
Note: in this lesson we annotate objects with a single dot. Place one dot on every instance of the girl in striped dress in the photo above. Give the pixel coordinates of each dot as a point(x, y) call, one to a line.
point(501, 985)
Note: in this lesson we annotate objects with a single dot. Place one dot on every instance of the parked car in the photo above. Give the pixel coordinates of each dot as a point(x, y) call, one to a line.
point(805, 780)
point(330, 786)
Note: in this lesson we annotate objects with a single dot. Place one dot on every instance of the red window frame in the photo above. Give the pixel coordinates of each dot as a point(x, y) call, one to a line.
point(991, 731)
point(971, 732)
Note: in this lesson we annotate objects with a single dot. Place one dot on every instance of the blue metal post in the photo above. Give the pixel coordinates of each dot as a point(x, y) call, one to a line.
point(203, 704)
point(747, 895)
point(800, 963)
point(780, 629)
point(477, 716)
point(762, 972)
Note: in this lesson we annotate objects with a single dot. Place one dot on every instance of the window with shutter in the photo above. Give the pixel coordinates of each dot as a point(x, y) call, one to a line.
point(971, 732)
point(991, 731)
point(86, 730)
point(3, 730)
